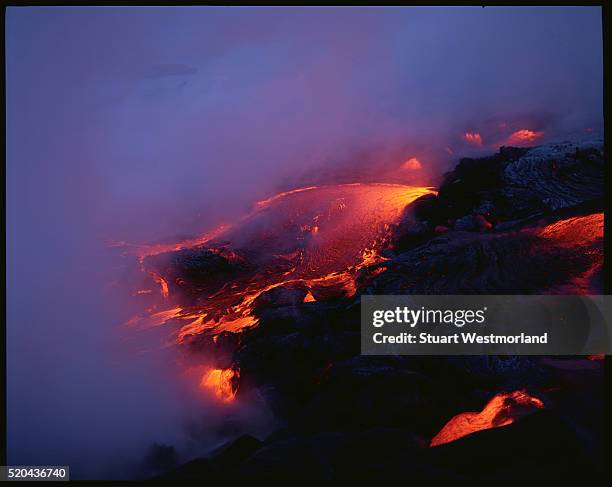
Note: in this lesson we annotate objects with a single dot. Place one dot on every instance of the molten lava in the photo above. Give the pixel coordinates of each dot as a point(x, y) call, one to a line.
point(316, 238)
point(501, 410)
point(523, 137)
point(222, 383)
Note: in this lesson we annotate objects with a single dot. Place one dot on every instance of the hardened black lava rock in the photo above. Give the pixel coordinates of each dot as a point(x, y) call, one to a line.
point(351, 417)
point(517, 183)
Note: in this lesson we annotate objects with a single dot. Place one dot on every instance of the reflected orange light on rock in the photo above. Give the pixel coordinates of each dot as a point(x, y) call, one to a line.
point(501, 410)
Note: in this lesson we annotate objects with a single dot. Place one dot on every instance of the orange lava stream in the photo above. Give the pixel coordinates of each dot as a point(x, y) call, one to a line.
point(222, 383)
point(523, 136)
point(338, 230)
point(501, 410)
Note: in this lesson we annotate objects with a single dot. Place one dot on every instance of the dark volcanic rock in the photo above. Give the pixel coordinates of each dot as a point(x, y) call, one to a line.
point(235, 452)
point(363, 392)
point(476, 263)
point(493, 229)
point(414, 228)
point(198, 469)
point(220, 349)
point(539, 446)
point(333, 456)
point(280, 296)
point(160, 458)
point(561, 175)
point(517, 183)
point(194, 270)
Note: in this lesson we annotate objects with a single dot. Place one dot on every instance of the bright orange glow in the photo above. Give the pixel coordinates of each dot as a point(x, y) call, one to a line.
point(163, 284)
point(318, 238)
point(309, 298)
point(473, 138)
point(351, 223)
point(575, 231)
point(502, 409)
point(222, 383)
point(266, 202)
point(412, 164)
point(523, 136)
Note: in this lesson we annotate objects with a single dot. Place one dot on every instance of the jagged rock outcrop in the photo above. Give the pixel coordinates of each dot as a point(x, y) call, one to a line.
point(517, 183)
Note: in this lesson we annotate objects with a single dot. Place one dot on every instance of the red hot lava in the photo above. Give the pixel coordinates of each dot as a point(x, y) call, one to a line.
point(523, 137)
point(501, 136)
point(315, 238)
point(222, 383)
point(502, 409)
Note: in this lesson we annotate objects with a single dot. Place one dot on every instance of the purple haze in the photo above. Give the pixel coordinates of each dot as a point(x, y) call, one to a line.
point(142, 123)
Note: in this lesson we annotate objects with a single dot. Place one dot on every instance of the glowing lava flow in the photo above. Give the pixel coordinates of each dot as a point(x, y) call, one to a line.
point(315, 238)
point(523, 136)
point(502, 409)
point(222, 383)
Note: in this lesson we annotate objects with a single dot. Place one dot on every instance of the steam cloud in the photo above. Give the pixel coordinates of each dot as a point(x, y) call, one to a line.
point(142, 123)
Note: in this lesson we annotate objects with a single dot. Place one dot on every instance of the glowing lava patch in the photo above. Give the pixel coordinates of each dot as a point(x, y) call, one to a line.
point(222, 383)
point(316, 238)
point(523, 137)
point(501, 410)
point(575, 231)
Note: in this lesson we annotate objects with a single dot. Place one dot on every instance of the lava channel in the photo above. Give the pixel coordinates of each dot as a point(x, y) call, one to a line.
point(315, 239)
